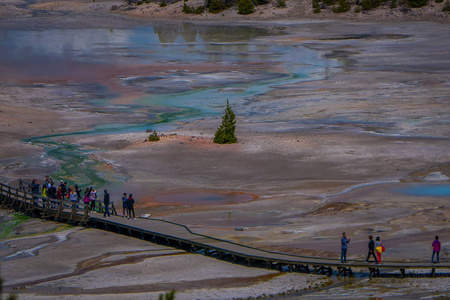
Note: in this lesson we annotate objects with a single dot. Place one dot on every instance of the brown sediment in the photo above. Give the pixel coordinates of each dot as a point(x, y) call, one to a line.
point(235, 282)
point(333, 208)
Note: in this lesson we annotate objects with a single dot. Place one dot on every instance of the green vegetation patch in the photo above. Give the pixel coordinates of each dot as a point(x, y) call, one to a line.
point(417, 3)
point(245, 7)
point(343, 6)
point(7, 227)
point(446, 7)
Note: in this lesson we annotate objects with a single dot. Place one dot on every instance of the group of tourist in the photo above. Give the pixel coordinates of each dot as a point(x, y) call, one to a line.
point(376, 248)
point(74, 194)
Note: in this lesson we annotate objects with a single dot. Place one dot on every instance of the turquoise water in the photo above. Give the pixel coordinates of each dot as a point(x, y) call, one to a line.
point(242, 62)
point(424, 190)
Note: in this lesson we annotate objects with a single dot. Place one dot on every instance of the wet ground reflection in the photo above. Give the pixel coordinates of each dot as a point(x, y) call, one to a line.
point(203, 198)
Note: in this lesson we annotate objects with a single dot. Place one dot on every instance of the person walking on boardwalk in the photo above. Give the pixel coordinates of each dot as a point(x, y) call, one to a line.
point(47, 182)
point(51, 192)
point(344, 243)
point(87, 198)
point(35, 186)
point(73, 197)
point(106, 203)
point(92, 197)
point(78, 191)
point(63, 189)
point(59, 193)
point(378, 248)
point(436, 249)
point(371, 250)
point(124, 205)
point(130, 204)
point(35, 190)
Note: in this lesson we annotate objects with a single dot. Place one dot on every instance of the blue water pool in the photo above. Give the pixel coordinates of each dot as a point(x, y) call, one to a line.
point(435, 190)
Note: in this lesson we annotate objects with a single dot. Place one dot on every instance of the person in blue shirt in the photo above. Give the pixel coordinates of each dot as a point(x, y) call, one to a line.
point(344, 242)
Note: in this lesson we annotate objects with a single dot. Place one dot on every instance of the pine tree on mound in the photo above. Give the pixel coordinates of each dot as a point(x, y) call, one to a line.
point(225, 133)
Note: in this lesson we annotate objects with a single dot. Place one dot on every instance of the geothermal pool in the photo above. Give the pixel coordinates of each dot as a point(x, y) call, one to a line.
point(181, 72)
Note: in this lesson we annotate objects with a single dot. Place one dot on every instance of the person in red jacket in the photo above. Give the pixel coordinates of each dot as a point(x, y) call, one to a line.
point(436, 248)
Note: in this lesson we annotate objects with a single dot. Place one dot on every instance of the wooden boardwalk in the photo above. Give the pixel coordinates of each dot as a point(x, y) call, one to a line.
point(181, 237)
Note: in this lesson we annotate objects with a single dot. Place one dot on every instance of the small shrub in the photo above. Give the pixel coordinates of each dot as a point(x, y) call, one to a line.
point(163, 4)
point(315, 4)
point(439, 1)
point(446, 7)
point(329, 2)
point(317, 10)
point(357, 10)
point(343, 6)
point(261, 2)
point(245, 7)
point(417, 3)
point(153, 137)
point(140, 2)
point(393, 4)
point(369, 4)
point(281, 3)
point(167, 296)
point(190, 10)
point(216, 6)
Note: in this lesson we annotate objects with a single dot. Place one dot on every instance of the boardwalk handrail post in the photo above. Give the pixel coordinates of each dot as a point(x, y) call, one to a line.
point(113, 209)
point(85, 217)
point(58, 215)
point(15, 199)
point(5, 197)
point(73, 213)
point(23, 201)
point(46, 202)
point(31, 204)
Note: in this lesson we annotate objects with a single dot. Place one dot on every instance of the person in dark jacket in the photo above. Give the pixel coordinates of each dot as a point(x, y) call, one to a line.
point(35, 189)
point(63, 189)
point(371, 250)
point(344, 242)
point(106, 203)
point(51, 193)
point(130, 204)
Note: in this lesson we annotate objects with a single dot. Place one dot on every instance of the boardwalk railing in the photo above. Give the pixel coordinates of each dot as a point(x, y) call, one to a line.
point(181, 237)
point(23, 200)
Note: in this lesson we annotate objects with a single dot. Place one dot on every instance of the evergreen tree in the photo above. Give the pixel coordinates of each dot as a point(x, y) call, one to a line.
point(245, 7)
point(225, 133)
point(153, 137)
